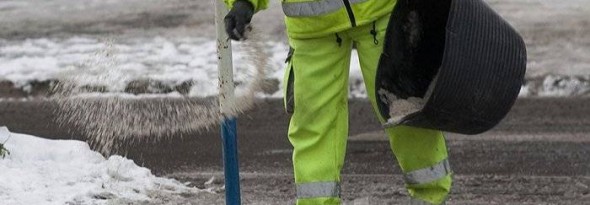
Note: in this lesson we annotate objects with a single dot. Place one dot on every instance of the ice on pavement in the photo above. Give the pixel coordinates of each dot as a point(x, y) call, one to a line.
point(46, 172)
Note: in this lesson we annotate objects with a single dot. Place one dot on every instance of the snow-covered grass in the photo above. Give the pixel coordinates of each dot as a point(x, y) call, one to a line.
point(170, 42)
point(113, 65)
point(100, 62)
point(46, 172)
point(558, 86)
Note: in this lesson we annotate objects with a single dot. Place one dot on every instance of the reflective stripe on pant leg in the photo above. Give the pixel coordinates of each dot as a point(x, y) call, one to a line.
point(318, 189)
point(319, 124)
point(429, 174)
point(427, 178)
point(418, 150)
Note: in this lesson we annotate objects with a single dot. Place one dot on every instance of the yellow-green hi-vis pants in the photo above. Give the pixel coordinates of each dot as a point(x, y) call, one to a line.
point(316, 94)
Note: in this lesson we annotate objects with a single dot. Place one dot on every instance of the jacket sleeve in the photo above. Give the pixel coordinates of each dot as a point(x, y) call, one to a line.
point(258, 4)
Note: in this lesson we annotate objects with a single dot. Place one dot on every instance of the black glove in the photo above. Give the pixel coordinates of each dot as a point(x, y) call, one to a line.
point(238, 18)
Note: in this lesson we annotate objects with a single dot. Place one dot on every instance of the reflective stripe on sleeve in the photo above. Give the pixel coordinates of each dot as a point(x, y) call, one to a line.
point(428, 174)
point(314, 8)
point(318, 189)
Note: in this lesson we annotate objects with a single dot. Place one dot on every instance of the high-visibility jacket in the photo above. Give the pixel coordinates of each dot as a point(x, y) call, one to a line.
point(316, 18)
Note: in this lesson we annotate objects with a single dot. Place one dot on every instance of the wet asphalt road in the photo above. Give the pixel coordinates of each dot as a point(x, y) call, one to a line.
point(540, 154)
point(263, 145)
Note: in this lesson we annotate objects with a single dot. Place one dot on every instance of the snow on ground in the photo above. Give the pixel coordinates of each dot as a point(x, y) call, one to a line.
point(46, 172)
point(562, 86)
point(100, 62)
point(172, 42)
point(103, 62)
point(114, 64)
point(557, 34)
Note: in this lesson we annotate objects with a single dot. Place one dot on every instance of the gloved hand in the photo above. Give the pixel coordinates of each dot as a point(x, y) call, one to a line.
point(238, 18)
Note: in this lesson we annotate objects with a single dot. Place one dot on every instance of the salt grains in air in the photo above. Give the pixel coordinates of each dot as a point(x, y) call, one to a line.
point(110, 121)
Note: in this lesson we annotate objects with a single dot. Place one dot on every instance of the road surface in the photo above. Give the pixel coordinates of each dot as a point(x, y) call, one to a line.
point(539, 154)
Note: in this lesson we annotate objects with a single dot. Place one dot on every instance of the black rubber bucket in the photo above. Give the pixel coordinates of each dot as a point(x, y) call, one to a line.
point(476, 57)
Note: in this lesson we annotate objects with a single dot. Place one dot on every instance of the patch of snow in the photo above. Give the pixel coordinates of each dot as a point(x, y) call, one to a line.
point(98, 62)
point(524, 91)
point(560, 86)
point(356, 81)
point(173, 61)
point(46, 172)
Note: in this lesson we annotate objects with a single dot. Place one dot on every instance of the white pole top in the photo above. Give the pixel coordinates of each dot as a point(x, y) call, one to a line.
point(224, 59)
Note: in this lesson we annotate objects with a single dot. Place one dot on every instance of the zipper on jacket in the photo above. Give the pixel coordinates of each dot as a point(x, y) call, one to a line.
point(350, 14)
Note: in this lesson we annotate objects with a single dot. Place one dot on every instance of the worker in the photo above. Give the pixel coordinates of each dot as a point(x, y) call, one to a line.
point(322, 34)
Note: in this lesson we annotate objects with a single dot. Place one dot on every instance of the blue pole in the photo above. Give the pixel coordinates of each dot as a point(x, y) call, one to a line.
point(226, 103)
point(230, 161)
